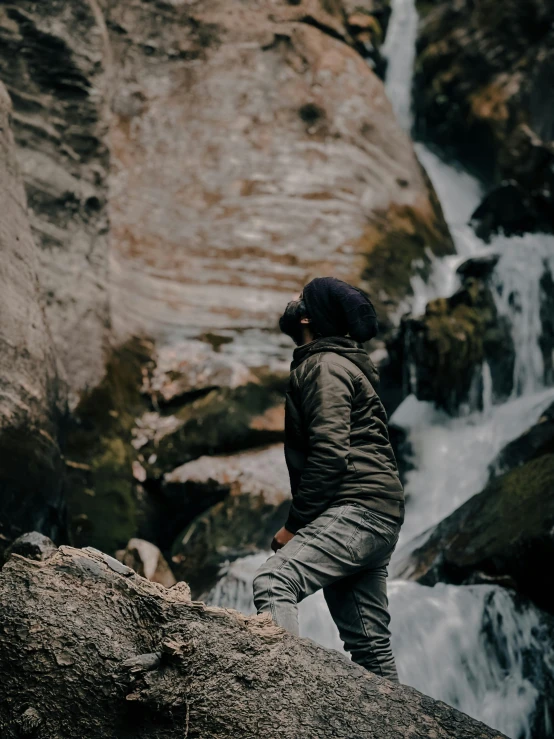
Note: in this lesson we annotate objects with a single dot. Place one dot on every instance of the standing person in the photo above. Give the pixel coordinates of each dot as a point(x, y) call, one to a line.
point(348, 502)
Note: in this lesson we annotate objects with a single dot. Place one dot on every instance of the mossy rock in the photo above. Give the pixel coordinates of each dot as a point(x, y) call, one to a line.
point(99, 454)
point(395, 247)
point(503, 534)
point(449, 344)
point(224, 420)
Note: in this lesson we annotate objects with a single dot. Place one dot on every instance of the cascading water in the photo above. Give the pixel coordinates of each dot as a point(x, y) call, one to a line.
point(474, 647)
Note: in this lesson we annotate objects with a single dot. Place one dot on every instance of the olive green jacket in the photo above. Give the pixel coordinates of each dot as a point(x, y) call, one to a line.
point(337, 445)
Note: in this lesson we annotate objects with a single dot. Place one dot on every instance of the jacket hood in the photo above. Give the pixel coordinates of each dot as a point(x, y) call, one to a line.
point(343, 345)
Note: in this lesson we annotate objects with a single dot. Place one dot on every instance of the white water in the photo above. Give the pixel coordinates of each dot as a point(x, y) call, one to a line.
point(468, 646)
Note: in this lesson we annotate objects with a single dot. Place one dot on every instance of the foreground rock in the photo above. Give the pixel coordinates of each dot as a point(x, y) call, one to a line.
point(31, 393)
point(483, 85)
point(504, 534)
point(120, 656)
point(254, 494)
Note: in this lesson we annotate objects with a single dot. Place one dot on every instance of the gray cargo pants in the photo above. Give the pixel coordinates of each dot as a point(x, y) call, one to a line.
point(345, 551)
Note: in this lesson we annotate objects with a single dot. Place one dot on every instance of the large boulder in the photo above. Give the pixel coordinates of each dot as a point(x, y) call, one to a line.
point(504, 534)
point(32, 394)
point(254, 496)
point(147, 560)
point(53, 62)
point(127, 657)
point(253, 148)
point(483, 84)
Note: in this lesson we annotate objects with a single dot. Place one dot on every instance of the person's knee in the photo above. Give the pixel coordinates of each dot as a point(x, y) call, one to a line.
point(273, 580)
point(261, 586)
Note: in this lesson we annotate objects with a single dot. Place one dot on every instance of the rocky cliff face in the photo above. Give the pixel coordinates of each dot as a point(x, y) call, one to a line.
point(53, 58)
point(252, 149)
point(32, 395)
point(239, 149)
point(483, 88)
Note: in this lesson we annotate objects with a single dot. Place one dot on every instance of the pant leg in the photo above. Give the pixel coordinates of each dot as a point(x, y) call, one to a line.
point(359, 607)
point(337, 544)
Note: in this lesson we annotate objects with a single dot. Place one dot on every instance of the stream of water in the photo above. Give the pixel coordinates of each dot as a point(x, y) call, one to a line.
point(472, 647)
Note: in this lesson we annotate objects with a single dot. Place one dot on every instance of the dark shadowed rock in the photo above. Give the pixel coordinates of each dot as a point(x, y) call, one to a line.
point(481, 268)
point(32, 397)
point(511, 210)
point(537, 440)
point(505, 534)
point(484, 76)
point(33, 546)
point(254, 492)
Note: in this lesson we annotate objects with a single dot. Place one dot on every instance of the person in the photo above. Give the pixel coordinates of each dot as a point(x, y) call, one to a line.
point(347, 500)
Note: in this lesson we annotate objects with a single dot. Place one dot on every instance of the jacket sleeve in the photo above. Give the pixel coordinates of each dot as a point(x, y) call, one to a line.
point(326, 402)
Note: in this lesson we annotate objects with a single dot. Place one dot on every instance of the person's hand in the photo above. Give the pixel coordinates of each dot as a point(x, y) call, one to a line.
point(281, 538)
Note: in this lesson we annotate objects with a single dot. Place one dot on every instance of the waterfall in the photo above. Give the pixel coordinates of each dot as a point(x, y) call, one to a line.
point(474, 647)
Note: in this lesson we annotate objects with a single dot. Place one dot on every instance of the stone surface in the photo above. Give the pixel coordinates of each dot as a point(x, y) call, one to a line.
point(31, 392)
point(445, 349)
point(147, 560)
point(53, 61)
point(254, 492)
point(537, 440)
point(504, 534)
point(484, 75)
point(163, 666)
point(288, 163)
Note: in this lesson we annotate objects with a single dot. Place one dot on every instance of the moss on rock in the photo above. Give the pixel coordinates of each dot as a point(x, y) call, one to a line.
point(504, 533)
point(99, 454)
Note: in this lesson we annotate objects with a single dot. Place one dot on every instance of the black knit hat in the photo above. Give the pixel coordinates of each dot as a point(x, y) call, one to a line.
point(336, 308)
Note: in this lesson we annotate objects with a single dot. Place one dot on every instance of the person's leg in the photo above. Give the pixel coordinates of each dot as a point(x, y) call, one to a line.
point(323, 552)
point(359, 607)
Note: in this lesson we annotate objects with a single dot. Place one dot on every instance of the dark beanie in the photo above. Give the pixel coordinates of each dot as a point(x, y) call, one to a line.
point(336, 308)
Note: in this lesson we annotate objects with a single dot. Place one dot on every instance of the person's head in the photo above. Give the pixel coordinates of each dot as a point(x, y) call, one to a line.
point(296, 323)
point(329, 307)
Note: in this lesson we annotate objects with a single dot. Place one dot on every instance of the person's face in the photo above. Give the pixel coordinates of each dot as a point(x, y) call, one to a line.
point(290, 322)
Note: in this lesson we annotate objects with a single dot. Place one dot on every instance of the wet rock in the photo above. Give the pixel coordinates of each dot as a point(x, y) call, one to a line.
point(483, 80)
point(254, 495)
point(147, 560)
point(53, 63)
point(536, 441)
point(511, 210)
point(445, 349)
point(480, 268)
point(546, 339)
point(367, 22)
point(504, 532)
point(32, 397)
